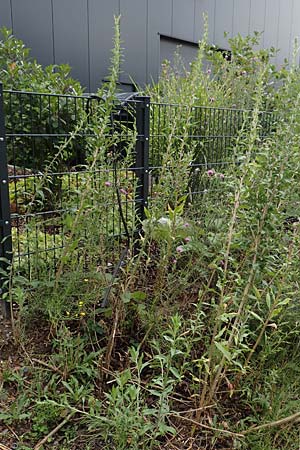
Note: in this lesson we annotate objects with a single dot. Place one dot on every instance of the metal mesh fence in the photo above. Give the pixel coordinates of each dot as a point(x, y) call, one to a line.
point(208, 134)
point(50, 143)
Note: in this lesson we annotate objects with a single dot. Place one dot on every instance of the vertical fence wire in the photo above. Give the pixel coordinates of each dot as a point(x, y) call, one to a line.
point(46, 178)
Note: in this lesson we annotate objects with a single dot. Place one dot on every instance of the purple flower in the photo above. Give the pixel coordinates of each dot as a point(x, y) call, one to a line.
point(221, 175)
point(123, 191)
point(179, 249)
point(187, 239)
point(107, 183)
point(210, 172)
point(186, 225)
point(208, 71)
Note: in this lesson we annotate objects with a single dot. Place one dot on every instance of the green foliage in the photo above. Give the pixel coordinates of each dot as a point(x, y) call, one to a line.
point(202, 326)
point(18, 71)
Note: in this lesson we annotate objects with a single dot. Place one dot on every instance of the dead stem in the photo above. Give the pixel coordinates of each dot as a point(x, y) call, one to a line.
point(277, 423)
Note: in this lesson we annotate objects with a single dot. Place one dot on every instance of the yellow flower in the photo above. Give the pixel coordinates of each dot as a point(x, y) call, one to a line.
point(68, 313)
point(82, 313)
point(80, 304)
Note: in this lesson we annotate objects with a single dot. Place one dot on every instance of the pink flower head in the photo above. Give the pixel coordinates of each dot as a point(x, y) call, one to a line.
point(210, 172)
point(179, 249)
point(187, 239)
point(221, 175)
point(123, 191)
point(208, 71)
point(174, 261)
point(186, 225)
point(107, 183)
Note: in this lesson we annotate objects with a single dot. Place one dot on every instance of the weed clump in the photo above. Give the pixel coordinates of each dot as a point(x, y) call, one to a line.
point(197, 346)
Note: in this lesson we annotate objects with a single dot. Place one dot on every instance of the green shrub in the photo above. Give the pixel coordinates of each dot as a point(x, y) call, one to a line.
point(18, 71)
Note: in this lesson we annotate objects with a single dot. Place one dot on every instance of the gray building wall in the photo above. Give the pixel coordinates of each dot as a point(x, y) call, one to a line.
point(79, 32)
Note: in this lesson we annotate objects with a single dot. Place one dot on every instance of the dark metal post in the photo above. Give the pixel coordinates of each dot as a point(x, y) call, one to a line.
point(5, 222)
point(142, 154)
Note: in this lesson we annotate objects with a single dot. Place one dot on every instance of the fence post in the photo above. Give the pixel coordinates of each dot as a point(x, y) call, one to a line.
point(5, 221)
point(142, 154)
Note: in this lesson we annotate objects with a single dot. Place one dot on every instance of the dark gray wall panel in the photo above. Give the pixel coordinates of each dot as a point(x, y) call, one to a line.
point(223, 21)
point(5, 14)
point(32, 22)
point(186, 51)
point(134, 36)
point(71, 36)
point(271, 23)
point(183, 19)
point(284, 37)
point(257, 15)
point(157, 24)
point(101, 33)
point(83, 29)
point(241, 11)
point(295, 26)
point(204, 7)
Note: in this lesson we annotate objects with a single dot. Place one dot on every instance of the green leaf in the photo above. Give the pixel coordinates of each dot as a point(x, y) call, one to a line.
point(256, 316)
point(257, 293)
point(284, 302)
point(268, 300)
point(163, 429)
point(138, 295)
point(156, 393)
point(223, 350)
point(126, 297)
point(175, 373)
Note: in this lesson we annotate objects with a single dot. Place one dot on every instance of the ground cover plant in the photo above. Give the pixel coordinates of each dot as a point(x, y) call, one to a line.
point(196, 346)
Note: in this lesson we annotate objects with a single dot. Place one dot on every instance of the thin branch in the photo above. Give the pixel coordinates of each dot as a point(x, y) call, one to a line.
point(3, 447)
point(48, 366)
point(54, 431)
point(207, 427)
point(277, 423)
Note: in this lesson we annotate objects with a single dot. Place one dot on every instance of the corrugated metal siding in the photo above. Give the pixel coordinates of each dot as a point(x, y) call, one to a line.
point(186, 52)
point(241, 15)
point(80, 31)
point(223, 22)
point(157, 23)
point(183, 19)
point(207, 7)
point(5, 13)
point(32, 22)
point(295, 25)
point(71, 36)
point(101, 34)
point(134, 34)
point(257, 15)
point(284, 37)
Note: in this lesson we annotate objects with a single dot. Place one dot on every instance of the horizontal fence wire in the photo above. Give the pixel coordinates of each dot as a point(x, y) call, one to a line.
point(212, 134)
point(50, 139)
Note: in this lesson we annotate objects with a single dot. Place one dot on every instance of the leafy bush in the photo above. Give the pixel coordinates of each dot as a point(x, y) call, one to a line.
point(18, 71)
